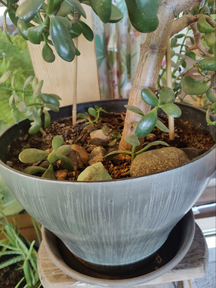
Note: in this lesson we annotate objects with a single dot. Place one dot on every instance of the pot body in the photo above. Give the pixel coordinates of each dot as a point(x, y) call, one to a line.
point(117, 222)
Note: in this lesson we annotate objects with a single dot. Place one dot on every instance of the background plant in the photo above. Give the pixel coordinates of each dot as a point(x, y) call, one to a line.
point(22, 252)
point(32, 155)
point(15, 58)
point(32, 108)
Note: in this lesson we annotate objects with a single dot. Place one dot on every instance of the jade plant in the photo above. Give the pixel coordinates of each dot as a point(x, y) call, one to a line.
point(56, 23)
point(34, 109)
point(93, 112)
point(59, 152)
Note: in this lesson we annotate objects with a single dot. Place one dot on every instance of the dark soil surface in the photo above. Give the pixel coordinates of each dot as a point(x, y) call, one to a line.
point(185, 136)
point(10, 276)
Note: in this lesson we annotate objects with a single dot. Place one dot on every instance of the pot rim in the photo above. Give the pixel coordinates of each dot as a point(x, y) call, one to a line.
point(104, 181)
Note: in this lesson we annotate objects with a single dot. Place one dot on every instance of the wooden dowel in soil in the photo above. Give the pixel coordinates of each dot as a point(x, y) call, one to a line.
point(75, 68)
point(169, 84)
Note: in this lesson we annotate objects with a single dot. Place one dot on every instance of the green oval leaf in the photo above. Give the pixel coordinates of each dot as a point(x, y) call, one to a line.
point(208, 63)
point(167, 95)
point(87, 31)
point(49, 99)
point(33, 170)
point(63, 150)
point(47, 118)
point(161, 126)
point(32, 155)
point(64, 9)
point(34, 34)
point(47, 53)
point(149, 7)
point(52, 107)
point(193, 87)
point(102, 8)
point(28, 9)
point(203, 26)
point(211, 96)
point(132, 140)
point(49, 173)
point(23, 28)
point(210, 39)
point(22, 107)
point(155, 143)
point(66, 162)
point(146, 124)
point(27, 81)
point(140, 21)
point(5, 77)
point(37, 89)
point(83, 116)
point(52, 158)
point(5, 28)
point(61, 39)
point(134, 109)
point(92, 112)
point(76, 30)
point(57, 142)
point(171, 109)
point(76, 4)
point(35, 127)
point(116, 14)
point(149, 97)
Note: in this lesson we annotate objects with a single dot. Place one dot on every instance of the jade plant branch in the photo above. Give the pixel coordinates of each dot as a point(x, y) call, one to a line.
point(151, 56)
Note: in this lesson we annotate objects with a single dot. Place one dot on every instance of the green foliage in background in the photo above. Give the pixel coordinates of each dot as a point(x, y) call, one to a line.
point(16, 58)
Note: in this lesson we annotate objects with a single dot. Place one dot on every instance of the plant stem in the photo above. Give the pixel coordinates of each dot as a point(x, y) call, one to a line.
point(75, 69)
point(169, 84)
point(16, 90)
point(133, 153)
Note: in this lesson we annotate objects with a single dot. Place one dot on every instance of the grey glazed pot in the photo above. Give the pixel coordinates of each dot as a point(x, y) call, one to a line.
point(117, 222)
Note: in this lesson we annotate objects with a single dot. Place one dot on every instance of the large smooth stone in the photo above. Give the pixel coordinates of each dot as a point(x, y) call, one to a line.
point(157, 160)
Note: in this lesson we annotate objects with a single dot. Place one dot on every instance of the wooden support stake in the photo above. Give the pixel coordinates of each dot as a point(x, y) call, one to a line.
point(75, 68)
point(169, 84)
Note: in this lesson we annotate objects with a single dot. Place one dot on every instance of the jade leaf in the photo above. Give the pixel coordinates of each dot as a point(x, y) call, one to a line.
point(134, 109)
point(87, 31)
point(149, 97)
point(193, 87)
point(102, 8)
point(33, 170)
point(76, 4)
point(52, 107)
point(171, 109)
point(149, 7)
point(37, 89)
point(116, 14)
point(47, 118)
point(146, 124)
point(167, 95)
point(49, 99)
point(161, 126)
point(5, 76)
point(28, 9)
point(27, 81)
point(132, 140)
point(57, 142)
point(47, 53)
point(208, 63)
point(52, 158)
point(22, 107)
point(92, 112)
point(66, 162)
point(35, 127)
point(49, 173)
point(211, 96)
point(63, 150)
point(32, 155)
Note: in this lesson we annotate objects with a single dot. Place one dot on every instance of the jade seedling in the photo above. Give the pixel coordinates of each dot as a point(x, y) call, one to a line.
point(32, 155)
point(150, 120)
point(94, 112)
point(20, 103)
point(134, 141)
point(113, 135)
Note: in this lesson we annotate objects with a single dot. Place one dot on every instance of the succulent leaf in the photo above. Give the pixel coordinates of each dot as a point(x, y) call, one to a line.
point(66, 162)
point(63, 150)
point(49, 173)
point(32, 155)
point(171, 109)
point(146, 124)
point(57, 142)
point(33, 170)
point(167, 95)
point(149, 97)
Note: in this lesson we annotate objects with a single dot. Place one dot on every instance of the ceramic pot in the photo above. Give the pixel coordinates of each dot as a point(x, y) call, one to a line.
point(111, 223)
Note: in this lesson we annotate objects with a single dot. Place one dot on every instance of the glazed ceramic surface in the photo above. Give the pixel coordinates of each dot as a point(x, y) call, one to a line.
point(115, 222)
